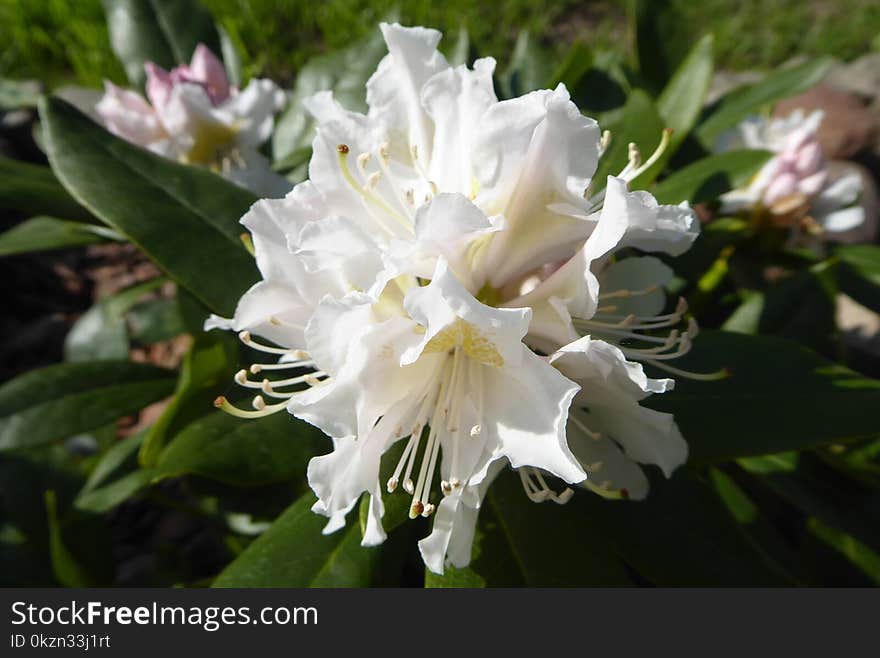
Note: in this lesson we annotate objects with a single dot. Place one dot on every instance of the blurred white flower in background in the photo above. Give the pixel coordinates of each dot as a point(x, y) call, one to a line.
point(437, 281)
point(193, 115)
point(795, 186)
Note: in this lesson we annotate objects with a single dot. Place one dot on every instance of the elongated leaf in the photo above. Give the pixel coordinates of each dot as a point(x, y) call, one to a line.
point(105, 498)
point(43, 233)
point(454, 578)
point(859, 273)
point(530, 68)
point(294, 553)
point(67, 570)
point(641, 125)
point(207, 368)
point(743, 101)
point(345, 73)
point(101, 332)
point(33, 189)
point(244, 452)
point(652, 57)
point(707, 179)
point(165, 208)
point(779, 396)
point(550, 545)
point(680, 535)
point(165, 32)
point(682, 98)
point(60, 401)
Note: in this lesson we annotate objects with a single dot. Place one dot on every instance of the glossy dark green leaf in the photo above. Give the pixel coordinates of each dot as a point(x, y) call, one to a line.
point(155, 320)
point(743, 101)
point(454, 578)
point(652, 57)
point(641, 125)
point(547, 545)
point(54, 403)
point(294, 553)
point(165, 32)
point(101, 332)
point(859, 273)
point(104, 498)
point(344, 72)
point(238, 451)
point(710, 177)
point(682, 98)
point(164, 207)
point(115, 477)
point(33, 189)
point(680, 535)
point(43, 233)
point(779, 396)
point(207, 369)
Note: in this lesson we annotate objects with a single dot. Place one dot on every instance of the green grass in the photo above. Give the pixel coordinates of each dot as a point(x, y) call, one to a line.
point(66, 40)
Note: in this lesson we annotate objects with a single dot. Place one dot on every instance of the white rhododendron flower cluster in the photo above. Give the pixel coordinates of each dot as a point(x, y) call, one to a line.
point(796, 180)
point(446, 279)
point(193, 115)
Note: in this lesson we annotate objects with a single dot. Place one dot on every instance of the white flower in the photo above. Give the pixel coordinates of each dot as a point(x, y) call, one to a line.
point(796, 180)
point(193, 115)
point(444, 242)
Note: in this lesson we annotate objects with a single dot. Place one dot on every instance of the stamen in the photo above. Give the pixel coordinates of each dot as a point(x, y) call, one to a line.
point(723, 373)
point(343, 149)
point(245, 337)
point(658, 152)
point(224, 405)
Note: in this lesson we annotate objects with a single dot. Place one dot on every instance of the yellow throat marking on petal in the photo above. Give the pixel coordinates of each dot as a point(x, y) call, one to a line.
point(210, 141)
point(474, 343)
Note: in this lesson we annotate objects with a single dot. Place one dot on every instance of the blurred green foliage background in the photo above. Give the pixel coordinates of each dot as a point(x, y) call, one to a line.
point(66, 40)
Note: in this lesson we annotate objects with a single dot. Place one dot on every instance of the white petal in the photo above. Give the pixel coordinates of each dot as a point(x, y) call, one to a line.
point(455, 99)
point(526, 409)
point(637, 274)
point(332, 326)
point(534, 156)
point(650, 226)
point(606, 464)
point(368, 383)
point(493, 333)
point(271, 310)
point(337, 243)
point(128, 115)
point(253, 110)
point(394, 90)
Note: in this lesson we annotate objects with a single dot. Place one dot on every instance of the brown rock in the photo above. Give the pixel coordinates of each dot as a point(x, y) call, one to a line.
point(848, 127)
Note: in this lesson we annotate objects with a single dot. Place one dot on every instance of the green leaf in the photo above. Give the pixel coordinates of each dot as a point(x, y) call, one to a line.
point(165, 32)
point(54, 403)
point(231, 57)
point(207, 368)
point(640, 124)
point(460, 53)
point(859, 273)
point(105, 498)
point(680, 535)
point(652, 58)
point(454, 578)
point(743, 101)
point(853, 550)
point(707, 179)
point(681, 100)
point(243, 452)
point(344, 72)
point(531, 68)
point(547, 545)
point(155, 320)
point(294, 553)
point(101, 333)
point(184, 218)
point(779, 396)
point(33, 189)
point(67, 570)
point(46, 233)
point(16, 94)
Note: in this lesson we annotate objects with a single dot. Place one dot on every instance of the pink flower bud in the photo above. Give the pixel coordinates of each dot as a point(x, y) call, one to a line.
point(809, 159)
point(206, 69)
point(782, 185)
point(159, 85)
